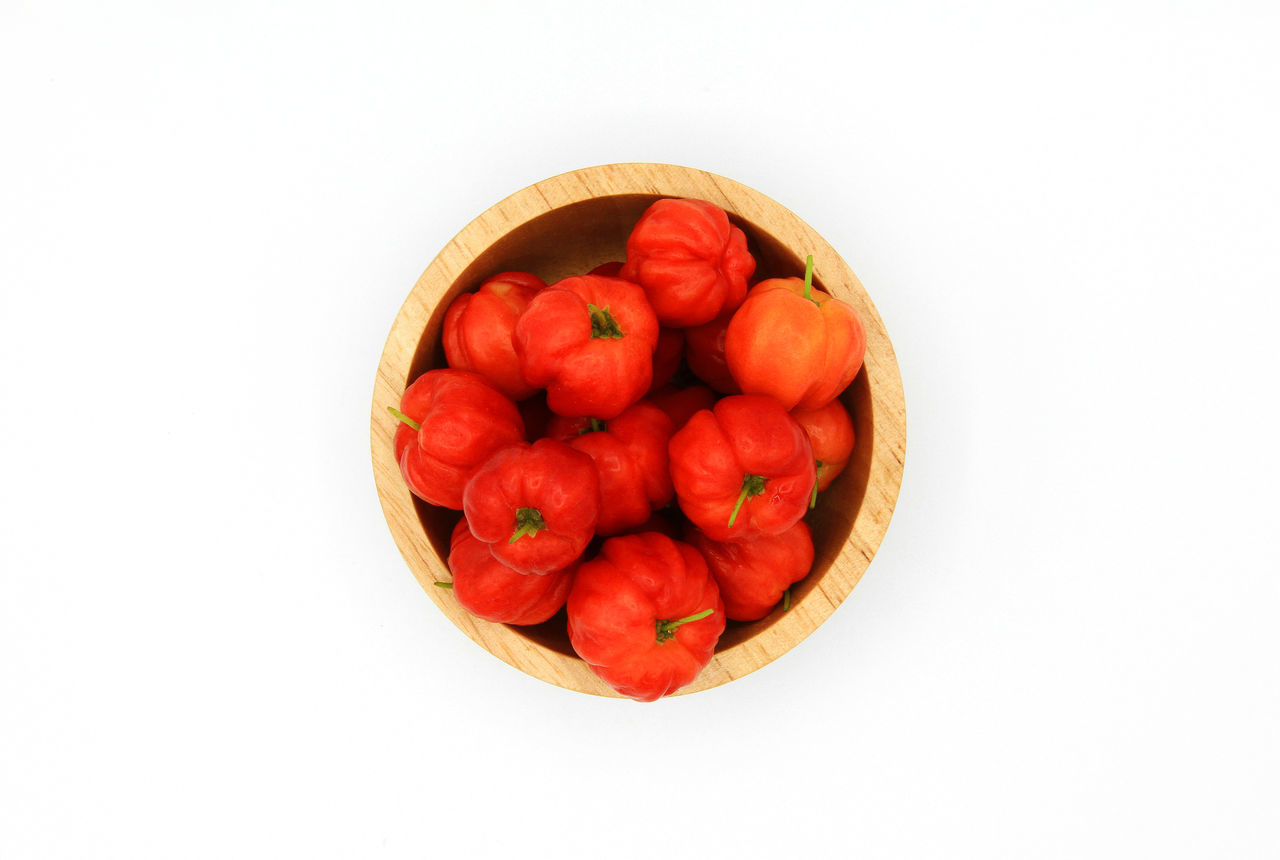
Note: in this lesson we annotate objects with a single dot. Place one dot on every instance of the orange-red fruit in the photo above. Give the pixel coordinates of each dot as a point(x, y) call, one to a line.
point(464, 420)
point(830, 431)
point(801, 351)
point(478, 328)
point(589, 340)
point(536, 505)
point(753, 574)
point(690, 260)
point(616, 605)
point(489, 589)
point(630, 453)
point(742, 468)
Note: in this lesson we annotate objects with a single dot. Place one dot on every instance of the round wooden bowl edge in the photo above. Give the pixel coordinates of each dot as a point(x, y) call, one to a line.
point(664, 180)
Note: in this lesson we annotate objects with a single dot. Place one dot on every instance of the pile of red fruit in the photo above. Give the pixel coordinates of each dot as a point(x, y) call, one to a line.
point(655, 512)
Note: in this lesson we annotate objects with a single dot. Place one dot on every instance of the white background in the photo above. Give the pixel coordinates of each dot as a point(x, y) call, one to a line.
point(1067, 216)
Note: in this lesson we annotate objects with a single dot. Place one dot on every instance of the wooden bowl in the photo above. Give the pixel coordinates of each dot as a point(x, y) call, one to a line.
point(565, 226)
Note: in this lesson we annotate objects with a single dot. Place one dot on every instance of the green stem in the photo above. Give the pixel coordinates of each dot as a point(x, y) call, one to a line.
point(448, 585)
point(786, 600)
point(529, 521)
point(602, 322)
point(667, 629)
point(400, 416)
point(752, 485)
point(813, 498)
point(808, 278)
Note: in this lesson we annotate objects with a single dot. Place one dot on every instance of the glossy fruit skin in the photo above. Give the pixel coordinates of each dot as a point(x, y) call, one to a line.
point(801, 351)
point(619, 597)
point(830, 432)
point(630, 454)
point(589, 369)
point(549, 477)
point(718, 450)
point(692, 262)
point(753, 574)
point(464, 419)
point(489, 589)
point(478, 327)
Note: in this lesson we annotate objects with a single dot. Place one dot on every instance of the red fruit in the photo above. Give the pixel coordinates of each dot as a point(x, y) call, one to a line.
point(830, 432)
point(630, 453)
point(793, 343)
point(645, 615)
point(742, 469)
point(753, 574)
point(489, 589)
point(536, 505)
point(589, 340)
point(691, 261)
point(478, 328)
point(463, 419)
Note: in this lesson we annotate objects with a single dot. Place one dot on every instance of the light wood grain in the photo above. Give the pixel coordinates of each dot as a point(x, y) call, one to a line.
point(567, 225)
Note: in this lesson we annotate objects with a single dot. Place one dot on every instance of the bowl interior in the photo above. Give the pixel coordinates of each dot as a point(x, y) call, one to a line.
point(572, 240)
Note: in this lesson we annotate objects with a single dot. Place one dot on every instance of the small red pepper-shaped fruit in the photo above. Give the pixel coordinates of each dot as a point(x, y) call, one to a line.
point(645, 615)
point(691, 261)
point(478, 328)
point(821, 339)
point(753, 574)
point(830, 432)
point(535, 504)
point(630, 453)
point(681, 403)
point(742, 469)
point(455, 420)
point(704, 353)
point(588, 340)
point(489, 589)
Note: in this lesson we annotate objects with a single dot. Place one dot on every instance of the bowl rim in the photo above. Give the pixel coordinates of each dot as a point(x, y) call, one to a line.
point(888, 442)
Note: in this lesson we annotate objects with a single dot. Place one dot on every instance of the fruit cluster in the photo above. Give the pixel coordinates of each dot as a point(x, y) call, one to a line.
point(591, 478)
